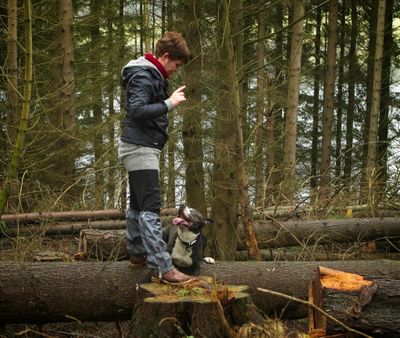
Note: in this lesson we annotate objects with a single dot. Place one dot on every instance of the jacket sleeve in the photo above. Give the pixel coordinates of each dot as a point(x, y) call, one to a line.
point(139, 99)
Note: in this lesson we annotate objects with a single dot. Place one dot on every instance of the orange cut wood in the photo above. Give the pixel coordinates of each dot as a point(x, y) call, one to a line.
point(339, 280)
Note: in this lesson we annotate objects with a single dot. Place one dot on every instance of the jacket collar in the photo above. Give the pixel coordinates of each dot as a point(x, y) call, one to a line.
point(150, 57)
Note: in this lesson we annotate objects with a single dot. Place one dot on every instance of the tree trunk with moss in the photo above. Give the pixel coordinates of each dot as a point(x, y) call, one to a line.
point(329, 104)
point(192, 130)
point(289, 153)
point(12, 171)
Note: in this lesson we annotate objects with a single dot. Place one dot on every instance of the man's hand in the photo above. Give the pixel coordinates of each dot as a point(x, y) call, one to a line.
point(178, 96)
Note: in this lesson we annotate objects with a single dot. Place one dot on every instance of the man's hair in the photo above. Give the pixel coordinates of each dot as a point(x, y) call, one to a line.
point(174, 44)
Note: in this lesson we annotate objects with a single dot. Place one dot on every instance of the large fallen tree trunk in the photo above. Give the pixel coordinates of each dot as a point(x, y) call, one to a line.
point(277, 235)
point(285, 234)
point(99, 291)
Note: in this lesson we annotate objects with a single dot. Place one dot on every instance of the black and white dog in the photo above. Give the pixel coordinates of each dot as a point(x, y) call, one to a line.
point(186, 242)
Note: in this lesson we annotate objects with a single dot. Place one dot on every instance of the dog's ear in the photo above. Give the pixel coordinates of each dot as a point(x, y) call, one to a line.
point(208, 221)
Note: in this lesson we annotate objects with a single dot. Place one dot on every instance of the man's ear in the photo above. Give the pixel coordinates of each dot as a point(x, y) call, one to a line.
point(208, 221)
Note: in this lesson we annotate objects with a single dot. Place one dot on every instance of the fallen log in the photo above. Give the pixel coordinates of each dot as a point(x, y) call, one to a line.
point(371, 306)
point(276, 235)
point(106, 291)
point(77, 215)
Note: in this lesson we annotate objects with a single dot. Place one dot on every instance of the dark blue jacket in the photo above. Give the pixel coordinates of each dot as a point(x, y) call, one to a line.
point(146, 121)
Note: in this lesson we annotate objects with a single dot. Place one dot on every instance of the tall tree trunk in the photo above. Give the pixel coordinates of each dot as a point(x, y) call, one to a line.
point(289, 160)
point(316, 105)
point(12, 71)
point(373, 9)
point(371, 169)
point(121, 56)
point(225, 175)
point(352, 72)
point(12, 169)
point(329, 90)
point(12, 89)
point(338, 148)
point(382, 157)
point(66, 102)
point(192, 131)
point(171, 145)
point(95, 60)
point(260, 111)
point(112, 156)
point(274, 120)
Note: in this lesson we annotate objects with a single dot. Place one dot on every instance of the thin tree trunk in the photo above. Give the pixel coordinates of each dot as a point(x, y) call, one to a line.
point(338, 145)
point(352, 72)
point(121, 54)
point(12, 71)
point(316, 105)
point(373, 9)
point(371, 169)
point(329, 91)
point(260, 110)
point(95, 60)
point(12, 171)
point(274, 120)
point(12, 89)
point(289, 160)
point(192, 131)
point(383, 129)
point(112, 157)
point(66, 102)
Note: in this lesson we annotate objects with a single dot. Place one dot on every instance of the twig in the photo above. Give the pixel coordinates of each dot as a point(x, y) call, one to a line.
point(275, 293)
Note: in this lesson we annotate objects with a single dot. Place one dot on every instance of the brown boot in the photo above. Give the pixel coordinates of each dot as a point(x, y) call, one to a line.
point(136, 261)
point(175, 277)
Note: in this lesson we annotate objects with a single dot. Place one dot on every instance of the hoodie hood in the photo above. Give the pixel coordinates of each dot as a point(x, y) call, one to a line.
point(134, 66)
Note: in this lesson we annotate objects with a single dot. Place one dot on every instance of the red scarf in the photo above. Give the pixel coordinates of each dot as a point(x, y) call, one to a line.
point(155, 62)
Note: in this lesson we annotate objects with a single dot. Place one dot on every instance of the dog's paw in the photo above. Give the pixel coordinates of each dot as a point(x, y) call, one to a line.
point(209, 260)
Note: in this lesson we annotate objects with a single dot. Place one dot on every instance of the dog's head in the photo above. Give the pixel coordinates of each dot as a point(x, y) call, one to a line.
point(189, 219)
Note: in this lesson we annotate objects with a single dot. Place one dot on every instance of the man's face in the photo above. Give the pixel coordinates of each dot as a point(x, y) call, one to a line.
point(170, 66)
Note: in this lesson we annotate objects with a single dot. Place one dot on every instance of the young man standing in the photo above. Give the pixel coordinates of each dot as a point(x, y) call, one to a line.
point(143, 137)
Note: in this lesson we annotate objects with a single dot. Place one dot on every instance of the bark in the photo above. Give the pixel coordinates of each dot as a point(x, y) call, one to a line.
point(260, 111)
point(289, 152)
point(274, 123)
point(96, 102)
point(384, 121)
point(225, 176)
point(12, 170)
point(192, 131)
point(352, 71)
point(203, 311)
point(98, 291)
point(282, 234)
point(65, 161)
point(371, 170)
point(233, 53)
point(12, 70)
point(287, 234)
point(63, 215)
point(329, 90)
point(339, 114)
point(12, 90)
point(368, 305)
point(316, 105)
point(102, 245)
point(372, 10)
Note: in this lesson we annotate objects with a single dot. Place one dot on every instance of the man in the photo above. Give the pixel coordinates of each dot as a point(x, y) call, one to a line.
point(143, 137)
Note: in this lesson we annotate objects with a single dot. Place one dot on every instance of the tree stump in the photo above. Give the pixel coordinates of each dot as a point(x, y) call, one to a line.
point(370, 306)
point(201, 308)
